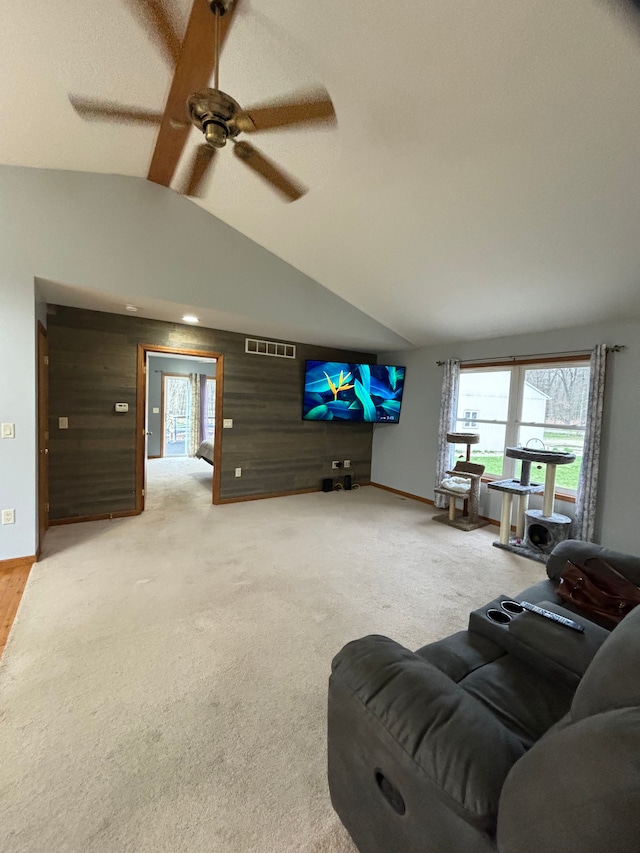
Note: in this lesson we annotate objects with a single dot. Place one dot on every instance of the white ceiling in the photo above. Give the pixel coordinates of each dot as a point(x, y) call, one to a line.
point(483, 178)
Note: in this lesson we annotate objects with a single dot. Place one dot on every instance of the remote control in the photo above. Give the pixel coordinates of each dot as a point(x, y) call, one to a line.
point(562, 620)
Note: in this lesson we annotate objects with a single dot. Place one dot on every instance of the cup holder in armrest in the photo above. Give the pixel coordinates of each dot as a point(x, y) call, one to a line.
point(493, 620)
point(498, 616)
point(503, 615)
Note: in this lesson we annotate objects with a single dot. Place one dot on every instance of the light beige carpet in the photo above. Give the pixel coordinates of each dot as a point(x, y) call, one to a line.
point(164, 685)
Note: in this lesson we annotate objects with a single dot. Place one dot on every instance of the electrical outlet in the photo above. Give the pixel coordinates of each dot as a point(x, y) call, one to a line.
point(336, 463)
point(63, 423)
point(238, 472)
point(8, 516)
point(227, 423)
point(346, 463)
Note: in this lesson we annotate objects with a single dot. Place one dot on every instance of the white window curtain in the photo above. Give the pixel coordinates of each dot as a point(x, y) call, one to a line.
point(194, 431)
point(448, 414)
point(587, 492)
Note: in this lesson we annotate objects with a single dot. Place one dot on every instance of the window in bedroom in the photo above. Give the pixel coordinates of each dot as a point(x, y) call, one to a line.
point(211, 409)
point(540, 405)
point(176, 407)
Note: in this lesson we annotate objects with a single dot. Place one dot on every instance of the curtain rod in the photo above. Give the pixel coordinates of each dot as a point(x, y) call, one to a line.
point(507, 358)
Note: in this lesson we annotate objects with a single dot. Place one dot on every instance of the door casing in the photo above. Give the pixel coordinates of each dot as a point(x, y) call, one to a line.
point(43, 433)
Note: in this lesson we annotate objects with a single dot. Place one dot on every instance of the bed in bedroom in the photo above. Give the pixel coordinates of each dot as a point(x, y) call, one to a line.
point(205, 451)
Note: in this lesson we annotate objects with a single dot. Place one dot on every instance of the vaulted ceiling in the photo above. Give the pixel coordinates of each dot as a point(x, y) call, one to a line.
point(483, 177)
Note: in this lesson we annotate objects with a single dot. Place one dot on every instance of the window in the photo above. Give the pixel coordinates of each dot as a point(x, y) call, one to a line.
point(540, 405)
point(210, 427)
point(176, 407)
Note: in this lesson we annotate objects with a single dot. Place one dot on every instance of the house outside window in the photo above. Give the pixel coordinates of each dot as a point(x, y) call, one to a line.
point(538, 405)
point(470, 419)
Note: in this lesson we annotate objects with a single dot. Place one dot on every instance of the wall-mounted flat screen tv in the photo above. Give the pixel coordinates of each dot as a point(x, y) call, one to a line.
point(343, 391)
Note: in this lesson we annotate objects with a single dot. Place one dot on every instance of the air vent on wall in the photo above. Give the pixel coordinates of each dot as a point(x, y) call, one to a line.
point(256, 347)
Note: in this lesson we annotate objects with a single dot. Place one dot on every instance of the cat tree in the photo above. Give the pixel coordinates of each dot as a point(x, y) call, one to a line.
point(537, 531)
point(467, 519)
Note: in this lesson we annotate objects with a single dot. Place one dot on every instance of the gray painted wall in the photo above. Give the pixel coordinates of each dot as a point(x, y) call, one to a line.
point(126, 235)
point(18, 406)
point(404, 456)
point(157, 366)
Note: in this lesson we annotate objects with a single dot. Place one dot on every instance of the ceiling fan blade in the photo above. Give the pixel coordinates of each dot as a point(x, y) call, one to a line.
point(192, 72)
point(111, 111)
point(312, 108)
point(156, 20)
point(200, 165)
point(268, 170)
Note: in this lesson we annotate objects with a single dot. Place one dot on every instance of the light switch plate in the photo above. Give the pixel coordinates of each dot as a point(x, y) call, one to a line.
point(63, 423)
point(8, 430)
point(227, 423)
point(156, 411)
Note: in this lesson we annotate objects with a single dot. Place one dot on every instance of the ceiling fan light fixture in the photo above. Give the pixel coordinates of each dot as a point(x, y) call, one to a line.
point(216, 133)
point(219, 7)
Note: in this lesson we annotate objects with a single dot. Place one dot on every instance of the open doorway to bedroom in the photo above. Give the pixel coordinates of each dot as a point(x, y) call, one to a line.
point(179, 409)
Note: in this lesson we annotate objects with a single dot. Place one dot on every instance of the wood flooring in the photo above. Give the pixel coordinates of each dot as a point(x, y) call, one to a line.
point(12, 584)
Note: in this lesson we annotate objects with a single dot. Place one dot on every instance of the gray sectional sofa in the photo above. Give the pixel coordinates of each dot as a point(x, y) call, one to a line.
point(518, 737)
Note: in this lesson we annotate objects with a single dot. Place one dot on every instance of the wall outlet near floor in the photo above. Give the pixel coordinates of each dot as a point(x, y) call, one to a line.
point(346, 463)
point(238, 472)
point(336, 463)
point(8, 516)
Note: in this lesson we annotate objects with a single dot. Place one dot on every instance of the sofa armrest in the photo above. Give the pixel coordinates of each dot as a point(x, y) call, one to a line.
point(552, 649)
point(450, 736)
point(576, 789)
point(541, 640)
point(578, 552)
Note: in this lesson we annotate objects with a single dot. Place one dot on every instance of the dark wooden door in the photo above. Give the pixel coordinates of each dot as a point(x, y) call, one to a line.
point(43, 433)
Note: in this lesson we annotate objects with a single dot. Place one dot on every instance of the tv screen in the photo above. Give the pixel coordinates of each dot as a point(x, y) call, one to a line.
point(343, 391)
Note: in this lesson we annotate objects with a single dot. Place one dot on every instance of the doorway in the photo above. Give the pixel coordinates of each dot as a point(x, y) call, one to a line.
point(43, 433)
point(187, 410)
point(179, 407)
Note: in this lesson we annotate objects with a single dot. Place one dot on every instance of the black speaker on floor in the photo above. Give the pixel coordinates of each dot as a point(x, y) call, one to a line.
point(327, 484)
point(347, 482)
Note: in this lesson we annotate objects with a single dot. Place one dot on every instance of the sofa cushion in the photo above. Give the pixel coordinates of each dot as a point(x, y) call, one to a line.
point(460, 654)
point(525, 702)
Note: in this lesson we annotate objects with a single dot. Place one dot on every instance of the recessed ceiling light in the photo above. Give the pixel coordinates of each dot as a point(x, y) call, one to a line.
point(131, 308)
point(190, 318)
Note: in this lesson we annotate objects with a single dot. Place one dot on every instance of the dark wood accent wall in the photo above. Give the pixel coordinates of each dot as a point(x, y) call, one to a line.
point(92, 365)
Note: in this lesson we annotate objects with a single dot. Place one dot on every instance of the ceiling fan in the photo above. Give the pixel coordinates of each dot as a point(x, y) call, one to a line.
point(214, 113)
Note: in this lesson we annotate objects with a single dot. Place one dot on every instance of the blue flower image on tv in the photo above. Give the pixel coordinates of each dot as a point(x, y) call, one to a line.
point(342, 391)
